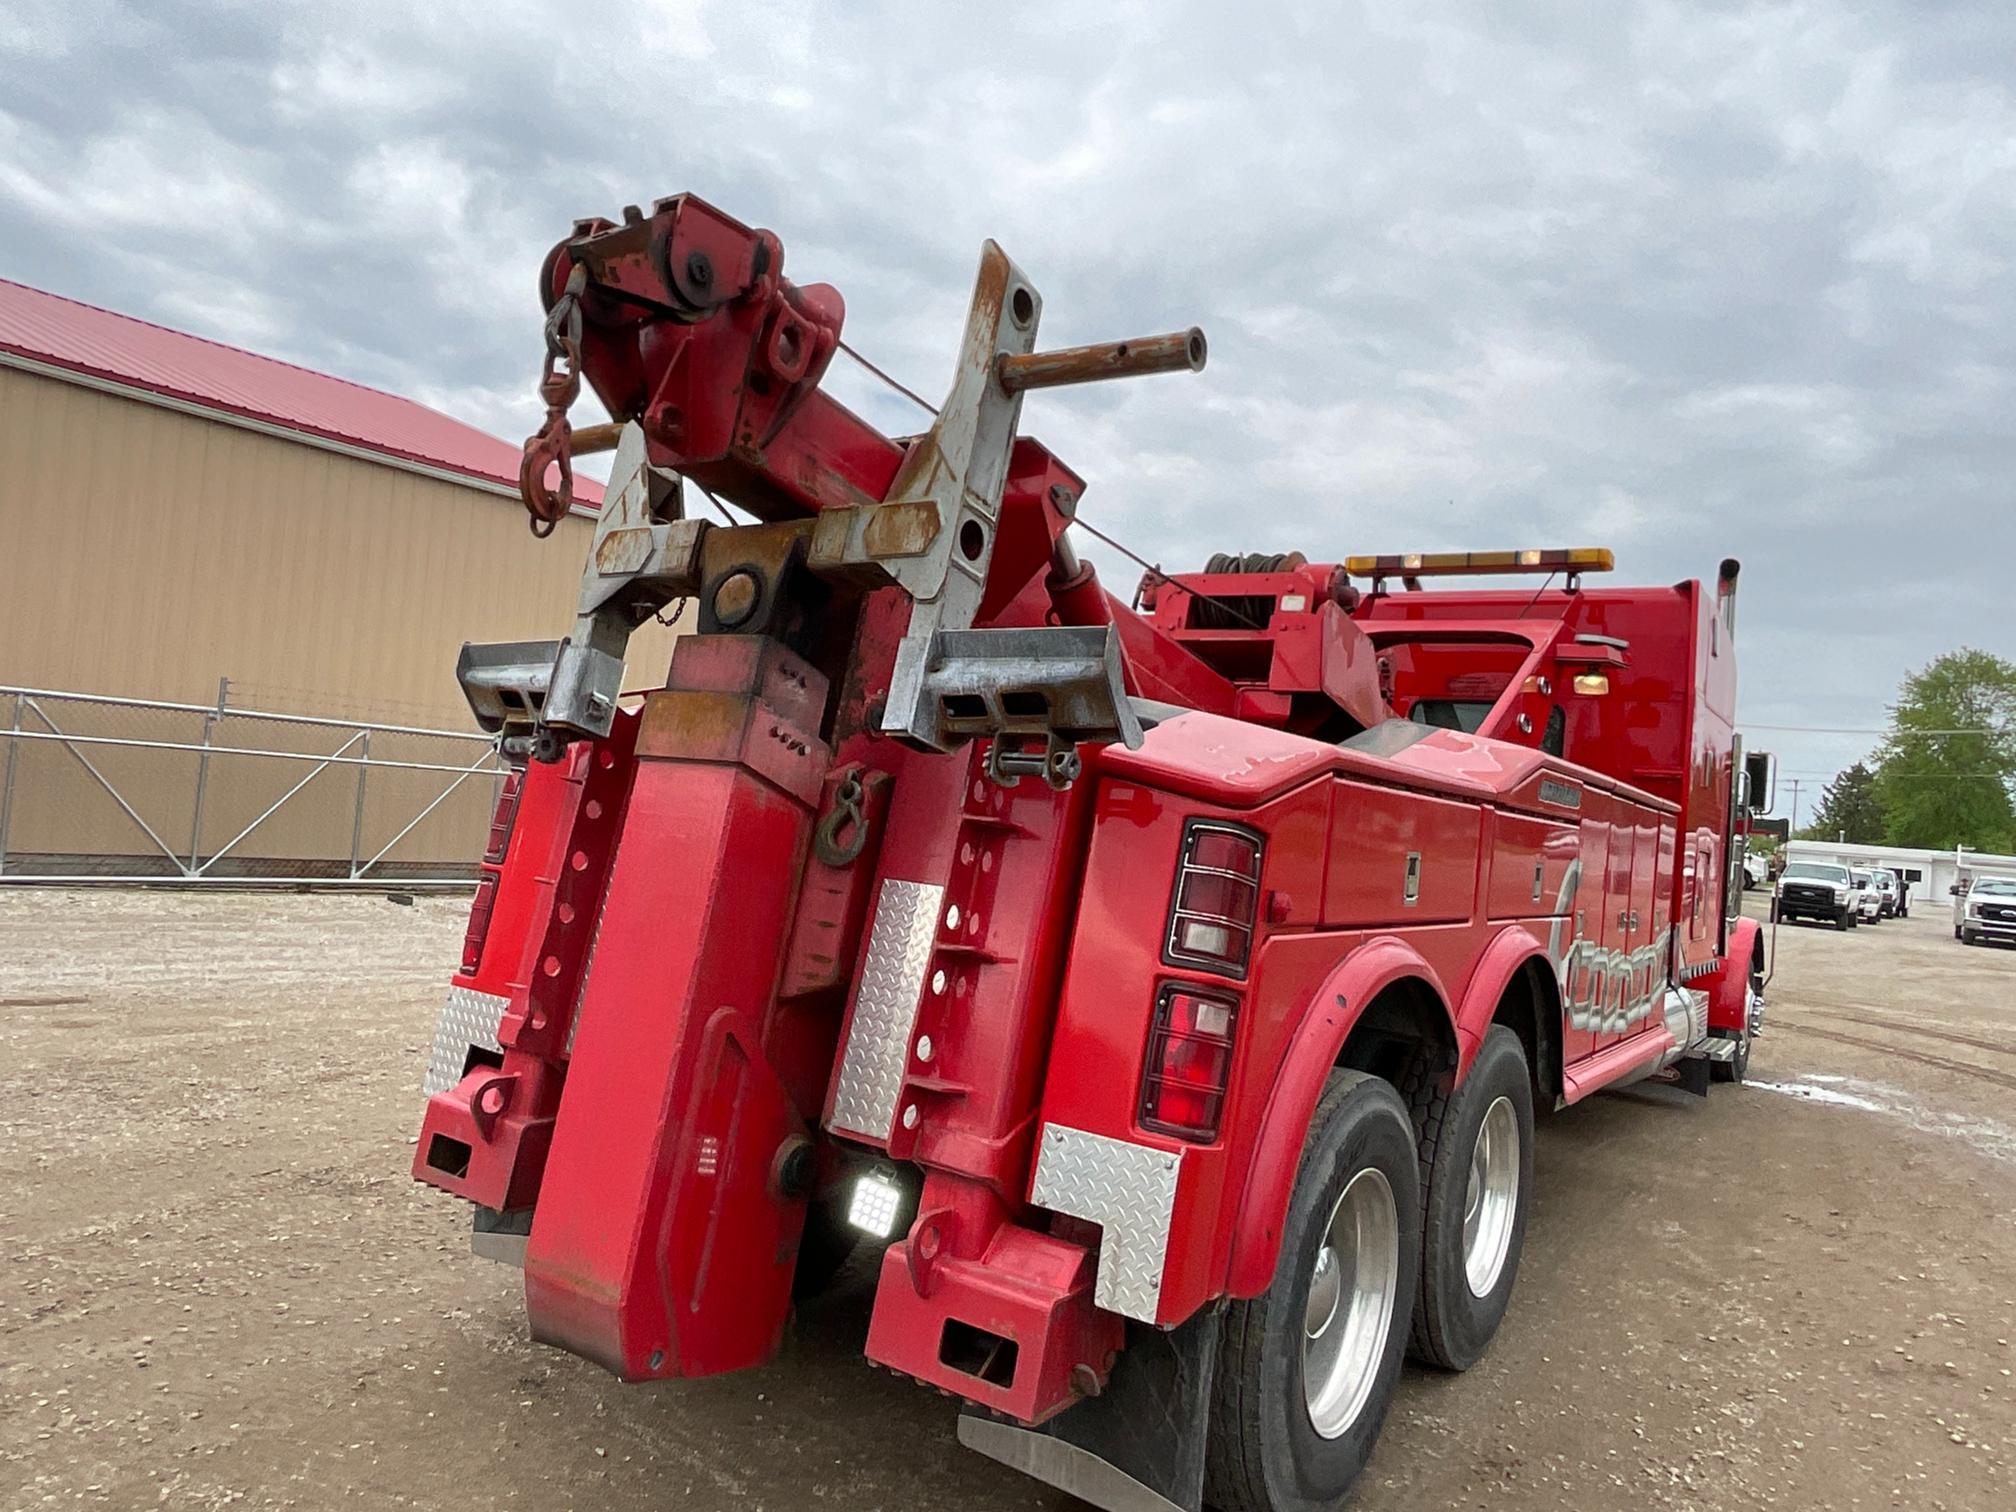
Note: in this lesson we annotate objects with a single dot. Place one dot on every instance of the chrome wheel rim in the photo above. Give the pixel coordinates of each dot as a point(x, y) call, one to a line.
point(1353, 1284)
point(1492, 1198)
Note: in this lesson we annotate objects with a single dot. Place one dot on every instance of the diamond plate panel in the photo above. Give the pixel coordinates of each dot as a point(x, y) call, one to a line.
point(468, 1018)
point(1129, 1190)
point(581, 987)
point(885, 1009)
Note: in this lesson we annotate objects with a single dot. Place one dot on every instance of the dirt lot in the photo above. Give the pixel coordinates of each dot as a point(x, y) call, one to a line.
point(218, 1287)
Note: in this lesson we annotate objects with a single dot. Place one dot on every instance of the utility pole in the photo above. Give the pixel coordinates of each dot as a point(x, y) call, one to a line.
point(1793, 832)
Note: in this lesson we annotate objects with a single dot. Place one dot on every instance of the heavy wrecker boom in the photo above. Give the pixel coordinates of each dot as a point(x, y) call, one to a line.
point(1167, 990)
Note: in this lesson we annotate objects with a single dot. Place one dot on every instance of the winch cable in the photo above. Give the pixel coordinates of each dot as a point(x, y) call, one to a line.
point(1147, 566)
point(719, 508)
point(908, 393)
point(1140, 561)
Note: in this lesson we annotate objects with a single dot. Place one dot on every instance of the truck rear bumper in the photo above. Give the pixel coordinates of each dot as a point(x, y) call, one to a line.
point(1014, 1330)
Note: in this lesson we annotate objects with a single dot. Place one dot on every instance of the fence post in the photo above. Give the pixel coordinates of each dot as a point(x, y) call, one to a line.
point(357, 819)
point(203, 773)
point(7, 789)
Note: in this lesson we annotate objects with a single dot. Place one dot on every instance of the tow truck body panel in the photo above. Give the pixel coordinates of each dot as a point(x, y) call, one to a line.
point(931, 861)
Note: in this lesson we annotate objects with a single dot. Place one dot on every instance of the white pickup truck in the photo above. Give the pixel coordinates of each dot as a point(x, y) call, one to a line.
point(1819, 890)
point(1868, 895)
point(1986, 912)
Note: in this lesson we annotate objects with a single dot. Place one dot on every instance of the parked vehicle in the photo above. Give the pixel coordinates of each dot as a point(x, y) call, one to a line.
point(1868, 900)
point(1818, 890)
point(1163, 993)
point(1903, 893)
point(1987, 912)
point(1887, 888)
point(1756, 869)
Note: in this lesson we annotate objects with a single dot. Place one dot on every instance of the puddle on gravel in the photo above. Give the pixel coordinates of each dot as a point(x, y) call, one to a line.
point(1812, 1092)
point(1996, 1140)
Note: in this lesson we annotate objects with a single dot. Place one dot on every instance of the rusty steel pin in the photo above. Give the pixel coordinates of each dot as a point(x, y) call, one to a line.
point(1177, 352)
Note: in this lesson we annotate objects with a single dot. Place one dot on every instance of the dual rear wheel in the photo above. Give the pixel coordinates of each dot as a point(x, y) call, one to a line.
point(1404, 1231)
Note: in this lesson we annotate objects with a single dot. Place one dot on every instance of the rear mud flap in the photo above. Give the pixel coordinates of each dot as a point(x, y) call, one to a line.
point(1136, 1447)
point(1692, 1075)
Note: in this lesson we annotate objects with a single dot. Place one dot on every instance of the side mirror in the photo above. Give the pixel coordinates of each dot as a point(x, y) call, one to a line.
point(1760, 773)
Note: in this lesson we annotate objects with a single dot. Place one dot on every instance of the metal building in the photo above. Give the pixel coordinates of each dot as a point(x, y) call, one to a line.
point(253, 557)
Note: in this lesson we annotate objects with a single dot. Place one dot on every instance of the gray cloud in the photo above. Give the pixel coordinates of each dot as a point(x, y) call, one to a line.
point(1690, 280)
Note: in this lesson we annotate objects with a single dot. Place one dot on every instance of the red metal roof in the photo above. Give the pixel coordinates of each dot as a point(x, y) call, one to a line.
point(87, 340)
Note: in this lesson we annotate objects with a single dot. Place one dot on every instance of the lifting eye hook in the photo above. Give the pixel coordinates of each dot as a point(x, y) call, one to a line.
point(844, 817)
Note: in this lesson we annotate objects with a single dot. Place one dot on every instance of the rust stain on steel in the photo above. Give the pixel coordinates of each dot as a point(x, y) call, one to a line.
point(1177, 352)
point(990, 289)
point(992, 286)
point(734, 729)
point(901, 530)
point(623, 551)
point(686, 722)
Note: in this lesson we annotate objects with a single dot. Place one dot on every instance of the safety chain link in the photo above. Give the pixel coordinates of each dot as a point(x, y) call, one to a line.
point(559, 387)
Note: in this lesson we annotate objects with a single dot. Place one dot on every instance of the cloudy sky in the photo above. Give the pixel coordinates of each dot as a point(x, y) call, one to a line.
point(1687, 280)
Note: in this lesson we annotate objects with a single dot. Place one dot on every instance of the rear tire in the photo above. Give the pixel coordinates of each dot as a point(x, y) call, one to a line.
point(1358, 1187)
point(1471, 1148)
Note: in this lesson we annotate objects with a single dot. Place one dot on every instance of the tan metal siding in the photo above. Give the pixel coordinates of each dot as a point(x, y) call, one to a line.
point(146, 553)
point(149, 553)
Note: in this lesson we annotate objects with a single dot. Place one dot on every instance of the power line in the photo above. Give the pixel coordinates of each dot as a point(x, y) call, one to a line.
point(1863, 730)
point(1897, 776)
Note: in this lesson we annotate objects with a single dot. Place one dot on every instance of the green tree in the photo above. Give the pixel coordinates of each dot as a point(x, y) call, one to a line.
point(1849, 809)
point(1950, 759)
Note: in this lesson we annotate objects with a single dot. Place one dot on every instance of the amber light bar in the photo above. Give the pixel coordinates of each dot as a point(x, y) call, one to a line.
point(1478, 563)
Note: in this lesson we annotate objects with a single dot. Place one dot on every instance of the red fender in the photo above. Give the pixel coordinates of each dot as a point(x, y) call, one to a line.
point(1332, 1013)
point(1728, 1003)
point(1500, 962)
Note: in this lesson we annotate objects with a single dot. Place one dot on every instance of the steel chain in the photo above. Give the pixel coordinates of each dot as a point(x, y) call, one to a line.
point(559, 387)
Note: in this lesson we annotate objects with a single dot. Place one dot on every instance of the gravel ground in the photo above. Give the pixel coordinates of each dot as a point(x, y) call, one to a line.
point(219, 1288)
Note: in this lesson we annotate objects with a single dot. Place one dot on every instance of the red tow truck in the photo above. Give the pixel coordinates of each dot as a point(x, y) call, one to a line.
point(1165, 990)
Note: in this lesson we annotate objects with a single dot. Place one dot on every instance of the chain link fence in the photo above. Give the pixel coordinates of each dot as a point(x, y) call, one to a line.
point(102, 789)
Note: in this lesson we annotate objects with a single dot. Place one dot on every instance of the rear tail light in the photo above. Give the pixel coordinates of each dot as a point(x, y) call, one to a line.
point(479, 923)
point(1189, 1062)
point(502, 819)
point(1217, 896)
